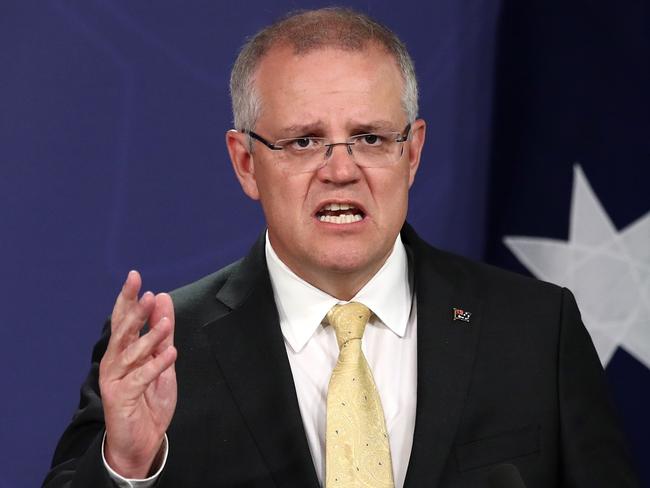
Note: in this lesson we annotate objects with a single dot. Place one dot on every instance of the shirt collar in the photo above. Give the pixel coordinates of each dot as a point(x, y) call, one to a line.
point(302, 307)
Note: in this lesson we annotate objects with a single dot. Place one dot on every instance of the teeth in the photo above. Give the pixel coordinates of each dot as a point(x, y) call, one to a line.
point(340, 219)
point(337, 206)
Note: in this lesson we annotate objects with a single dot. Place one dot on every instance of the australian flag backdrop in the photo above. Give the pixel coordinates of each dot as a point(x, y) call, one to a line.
point(112, 157)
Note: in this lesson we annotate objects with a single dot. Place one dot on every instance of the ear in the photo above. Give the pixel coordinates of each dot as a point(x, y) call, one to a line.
point(242, 162)
point(418, 132)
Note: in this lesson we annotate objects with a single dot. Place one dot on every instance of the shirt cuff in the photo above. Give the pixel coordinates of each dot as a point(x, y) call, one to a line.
point(122, 482)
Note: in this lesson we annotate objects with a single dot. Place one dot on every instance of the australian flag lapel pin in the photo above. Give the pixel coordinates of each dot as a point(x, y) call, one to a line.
point(462, 315)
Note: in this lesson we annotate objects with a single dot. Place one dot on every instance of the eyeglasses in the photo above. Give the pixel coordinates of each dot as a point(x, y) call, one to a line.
point(304, 154)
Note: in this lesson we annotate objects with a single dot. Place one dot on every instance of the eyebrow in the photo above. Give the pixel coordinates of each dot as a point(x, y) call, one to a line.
point(318, 127)
point(376, 125)
point(303, 129)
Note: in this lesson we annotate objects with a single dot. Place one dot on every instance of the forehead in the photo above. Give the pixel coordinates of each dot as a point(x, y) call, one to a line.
point(328, 85)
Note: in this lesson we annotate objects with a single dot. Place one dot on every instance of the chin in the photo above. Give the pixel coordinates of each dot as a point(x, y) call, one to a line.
point(345, 261)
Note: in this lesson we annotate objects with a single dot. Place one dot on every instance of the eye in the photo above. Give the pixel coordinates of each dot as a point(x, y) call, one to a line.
point(303, 143)
point(371, 139)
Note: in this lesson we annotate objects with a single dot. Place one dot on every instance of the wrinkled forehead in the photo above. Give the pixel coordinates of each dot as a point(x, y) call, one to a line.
point(328, 83)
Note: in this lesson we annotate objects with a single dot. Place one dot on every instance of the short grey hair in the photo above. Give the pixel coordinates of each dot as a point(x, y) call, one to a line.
point(308, 30)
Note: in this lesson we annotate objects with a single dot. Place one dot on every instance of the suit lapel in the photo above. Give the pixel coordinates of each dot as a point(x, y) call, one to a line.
point(446, 351)
point(249, 347)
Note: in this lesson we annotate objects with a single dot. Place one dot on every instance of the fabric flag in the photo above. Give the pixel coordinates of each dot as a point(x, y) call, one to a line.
point(569, 200)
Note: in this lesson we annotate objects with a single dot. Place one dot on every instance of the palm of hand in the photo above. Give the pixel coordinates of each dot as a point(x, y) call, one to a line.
point(138, 379)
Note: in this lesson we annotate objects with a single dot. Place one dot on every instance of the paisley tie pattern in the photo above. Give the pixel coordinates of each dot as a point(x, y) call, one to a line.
point(357, 449)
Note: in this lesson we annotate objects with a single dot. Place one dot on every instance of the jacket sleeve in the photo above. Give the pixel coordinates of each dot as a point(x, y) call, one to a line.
point(594, 451)
point(77, 461)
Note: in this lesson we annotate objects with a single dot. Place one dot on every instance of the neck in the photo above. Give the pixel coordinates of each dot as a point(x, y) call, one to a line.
point(342, 284)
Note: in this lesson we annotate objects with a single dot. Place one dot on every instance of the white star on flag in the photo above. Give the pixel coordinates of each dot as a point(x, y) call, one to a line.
point(608, 270)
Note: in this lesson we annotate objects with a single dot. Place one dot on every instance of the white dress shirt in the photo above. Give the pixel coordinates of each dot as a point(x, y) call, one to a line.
point(389, 344)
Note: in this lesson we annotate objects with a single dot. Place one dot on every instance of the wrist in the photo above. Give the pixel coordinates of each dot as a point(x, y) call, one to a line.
point(136, 465)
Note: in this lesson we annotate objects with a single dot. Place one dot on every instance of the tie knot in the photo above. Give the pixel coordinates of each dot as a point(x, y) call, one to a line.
point(349, 321)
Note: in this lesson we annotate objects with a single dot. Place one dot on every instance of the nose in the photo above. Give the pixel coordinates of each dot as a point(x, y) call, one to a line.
point(330, 148)
point(339, 167)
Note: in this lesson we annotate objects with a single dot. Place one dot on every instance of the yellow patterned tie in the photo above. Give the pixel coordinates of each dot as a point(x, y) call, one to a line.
point(357, 449)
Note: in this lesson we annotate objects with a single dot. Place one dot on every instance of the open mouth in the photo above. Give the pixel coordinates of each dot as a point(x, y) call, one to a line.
point(339, 213)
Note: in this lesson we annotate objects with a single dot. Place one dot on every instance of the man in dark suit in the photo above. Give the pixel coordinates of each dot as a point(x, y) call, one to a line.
point(474, 366)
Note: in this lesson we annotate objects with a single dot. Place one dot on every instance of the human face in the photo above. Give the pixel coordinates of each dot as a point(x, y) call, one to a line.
point(335, 94)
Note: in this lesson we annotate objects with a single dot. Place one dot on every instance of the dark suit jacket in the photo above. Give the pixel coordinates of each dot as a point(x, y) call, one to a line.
point(520, 383)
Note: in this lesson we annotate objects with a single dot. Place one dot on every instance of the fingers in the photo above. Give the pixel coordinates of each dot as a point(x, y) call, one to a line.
point(142, 350)
point(164, 308)
point(129, 314)
point(131, 359)
point(137, 381)
point(128, 294)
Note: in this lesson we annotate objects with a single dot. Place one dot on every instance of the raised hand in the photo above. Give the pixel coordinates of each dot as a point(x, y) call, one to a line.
point(137, 379)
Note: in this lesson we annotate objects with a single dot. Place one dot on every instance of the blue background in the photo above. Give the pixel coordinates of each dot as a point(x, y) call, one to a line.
point(112, 157)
